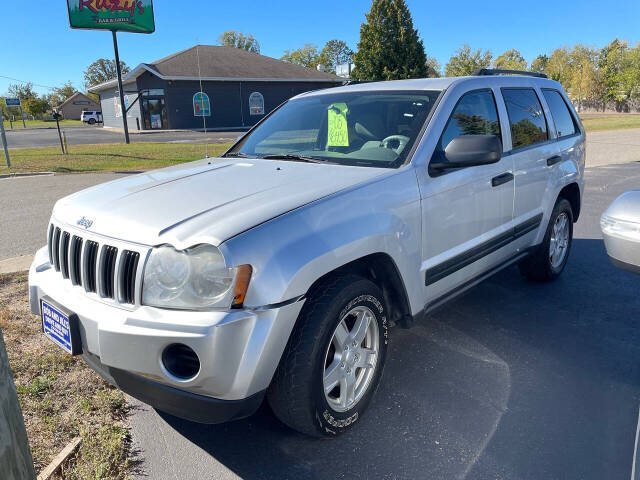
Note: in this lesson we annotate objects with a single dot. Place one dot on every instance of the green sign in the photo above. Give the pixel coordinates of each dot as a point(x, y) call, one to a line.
point(122, 15)
point(337, 128)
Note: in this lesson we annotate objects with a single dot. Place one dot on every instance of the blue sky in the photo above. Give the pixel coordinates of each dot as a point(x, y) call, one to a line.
point(38, 45)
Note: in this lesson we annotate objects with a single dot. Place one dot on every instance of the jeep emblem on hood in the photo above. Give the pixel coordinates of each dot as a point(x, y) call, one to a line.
point(84, 222)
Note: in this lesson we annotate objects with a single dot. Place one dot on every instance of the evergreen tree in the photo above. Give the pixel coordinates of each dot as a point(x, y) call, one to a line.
point(389, 47)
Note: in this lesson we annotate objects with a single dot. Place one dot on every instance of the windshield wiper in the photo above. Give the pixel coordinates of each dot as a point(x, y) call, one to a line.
point(295, 158)
point(237, 155)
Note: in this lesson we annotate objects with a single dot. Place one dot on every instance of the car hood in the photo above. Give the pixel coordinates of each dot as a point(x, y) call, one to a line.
point(206, 201)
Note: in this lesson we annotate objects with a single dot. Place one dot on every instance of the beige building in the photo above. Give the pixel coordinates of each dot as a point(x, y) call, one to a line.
point(72, 107)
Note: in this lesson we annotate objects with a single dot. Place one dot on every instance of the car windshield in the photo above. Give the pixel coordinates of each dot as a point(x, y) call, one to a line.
point(365, 128)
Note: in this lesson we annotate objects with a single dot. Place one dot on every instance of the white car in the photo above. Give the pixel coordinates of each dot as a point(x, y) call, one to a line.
point(620, 225)
point(91, 117)
point(280, 268)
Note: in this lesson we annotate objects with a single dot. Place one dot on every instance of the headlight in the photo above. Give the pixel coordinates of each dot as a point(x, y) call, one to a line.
point(193, 278)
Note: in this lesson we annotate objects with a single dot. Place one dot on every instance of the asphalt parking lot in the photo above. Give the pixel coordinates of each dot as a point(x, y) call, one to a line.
point(514, 380)
point(84, 135)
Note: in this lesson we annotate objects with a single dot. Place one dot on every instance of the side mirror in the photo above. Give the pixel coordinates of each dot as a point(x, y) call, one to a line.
point(469, 151)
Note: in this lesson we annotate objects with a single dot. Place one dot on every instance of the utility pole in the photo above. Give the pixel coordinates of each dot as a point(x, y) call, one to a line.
point(3, 137)
point(123, 108)
point(56, 115)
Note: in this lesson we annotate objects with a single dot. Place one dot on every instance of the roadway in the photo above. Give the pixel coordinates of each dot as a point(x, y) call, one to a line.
point(86, 135)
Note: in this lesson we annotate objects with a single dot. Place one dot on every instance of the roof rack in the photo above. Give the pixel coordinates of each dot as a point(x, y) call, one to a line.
point(497, 71)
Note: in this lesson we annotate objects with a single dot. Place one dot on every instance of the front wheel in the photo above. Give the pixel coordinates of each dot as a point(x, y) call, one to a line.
point(334, 360)
point(550, 258)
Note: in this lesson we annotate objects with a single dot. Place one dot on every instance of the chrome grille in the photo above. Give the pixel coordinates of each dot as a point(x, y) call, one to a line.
point(64, 254)
point(109, 269)
point(75, 255)
point(127, 276)
point(90, 259)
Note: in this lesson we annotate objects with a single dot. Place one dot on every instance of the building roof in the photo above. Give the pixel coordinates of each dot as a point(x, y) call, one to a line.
point(74, 97)
point(216, 63)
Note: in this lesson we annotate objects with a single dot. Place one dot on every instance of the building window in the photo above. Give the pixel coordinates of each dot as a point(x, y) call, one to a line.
point(81, 102)
point(201, 105)
point(256, 104)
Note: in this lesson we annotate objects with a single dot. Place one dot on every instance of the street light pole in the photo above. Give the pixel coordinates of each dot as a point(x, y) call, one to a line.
point(123, 108)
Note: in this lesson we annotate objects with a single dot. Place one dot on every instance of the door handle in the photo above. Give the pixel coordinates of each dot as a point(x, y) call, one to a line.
point(553, 160)
point(500, 179)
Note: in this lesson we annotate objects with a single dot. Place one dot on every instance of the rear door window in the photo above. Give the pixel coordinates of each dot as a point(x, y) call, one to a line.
point(526, 118)
point(562, 118)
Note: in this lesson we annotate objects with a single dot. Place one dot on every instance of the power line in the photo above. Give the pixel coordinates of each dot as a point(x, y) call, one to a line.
point(26, 81)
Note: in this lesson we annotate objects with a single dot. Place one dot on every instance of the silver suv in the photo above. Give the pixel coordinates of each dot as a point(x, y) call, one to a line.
point(280, 268)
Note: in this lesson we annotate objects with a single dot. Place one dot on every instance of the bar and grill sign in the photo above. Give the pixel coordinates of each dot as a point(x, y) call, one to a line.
point(134, 16)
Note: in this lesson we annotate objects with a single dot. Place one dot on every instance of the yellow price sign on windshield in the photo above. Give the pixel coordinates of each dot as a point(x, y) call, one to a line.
point(337, 129)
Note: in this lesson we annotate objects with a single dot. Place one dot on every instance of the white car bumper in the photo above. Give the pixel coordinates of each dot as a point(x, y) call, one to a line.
point(238, 350)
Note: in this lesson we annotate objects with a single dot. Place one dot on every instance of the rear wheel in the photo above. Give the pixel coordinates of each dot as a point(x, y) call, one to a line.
point(92, 121)
point(334, 360)
point(549, 260)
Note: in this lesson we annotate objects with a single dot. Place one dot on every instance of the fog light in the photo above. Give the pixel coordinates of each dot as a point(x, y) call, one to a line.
point(181, 361)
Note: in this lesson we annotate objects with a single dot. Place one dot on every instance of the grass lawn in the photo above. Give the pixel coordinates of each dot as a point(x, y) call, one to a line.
point(17, 125)
point(595, 122)
point(61, 397)
point(105, 157)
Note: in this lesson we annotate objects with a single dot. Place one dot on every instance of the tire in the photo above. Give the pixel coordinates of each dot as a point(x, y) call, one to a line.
point(541, 266)
point(297, 393)
point(92, 121)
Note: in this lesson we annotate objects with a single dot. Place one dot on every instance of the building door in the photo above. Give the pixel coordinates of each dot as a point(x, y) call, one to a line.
point(154, 113)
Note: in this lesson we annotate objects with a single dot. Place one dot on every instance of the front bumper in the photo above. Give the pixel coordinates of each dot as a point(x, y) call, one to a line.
point(239, 350)
point(183, 404)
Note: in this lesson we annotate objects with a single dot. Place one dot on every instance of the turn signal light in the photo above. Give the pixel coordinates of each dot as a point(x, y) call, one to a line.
point(243, 277)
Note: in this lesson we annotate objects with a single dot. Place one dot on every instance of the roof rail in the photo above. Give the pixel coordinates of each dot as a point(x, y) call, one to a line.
point(497, 71)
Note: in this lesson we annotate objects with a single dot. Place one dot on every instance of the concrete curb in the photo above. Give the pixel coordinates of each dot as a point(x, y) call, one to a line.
point(26, 174)
point(16, 264)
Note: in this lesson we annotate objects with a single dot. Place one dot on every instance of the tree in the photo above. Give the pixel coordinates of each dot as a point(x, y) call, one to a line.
point(36, 106)
point(389, 46)
point(583, 80)
point(235, 39)
point(307, 56)
point(510, 60)
point(23, 91)
point(433, 67)
point(60, 94)
point(4, 109)
point(557, 67)
point(539, 64)
point(336, 52)
point(465, 62)
point(102, 70)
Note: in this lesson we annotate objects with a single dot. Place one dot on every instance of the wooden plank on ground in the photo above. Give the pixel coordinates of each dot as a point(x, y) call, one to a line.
point(62, 457)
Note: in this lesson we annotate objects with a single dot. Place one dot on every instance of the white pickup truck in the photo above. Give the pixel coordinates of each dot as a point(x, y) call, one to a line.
point(280, 268)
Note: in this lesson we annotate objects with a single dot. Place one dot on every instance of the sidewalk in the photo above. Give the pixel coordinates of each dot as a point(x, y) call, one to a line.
point(16, 264)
